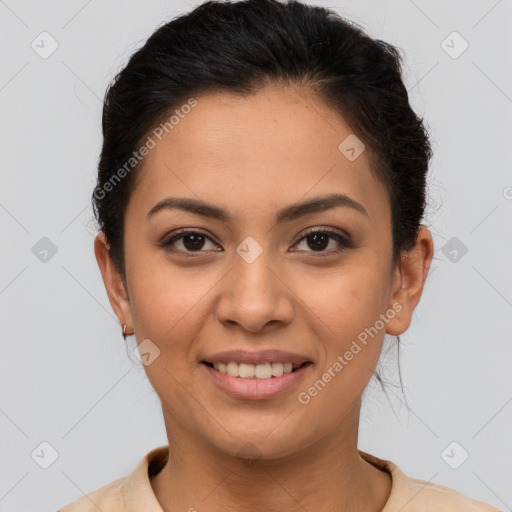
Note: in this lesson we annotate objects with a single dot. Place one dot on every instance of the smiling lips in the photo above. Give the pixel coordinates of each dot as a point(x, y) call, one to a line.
point(258, 371)
point(262, 365)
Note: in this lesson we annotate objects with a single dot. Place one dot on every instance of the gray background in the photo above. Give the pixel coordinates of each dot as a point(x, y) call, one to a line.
point(65, 375)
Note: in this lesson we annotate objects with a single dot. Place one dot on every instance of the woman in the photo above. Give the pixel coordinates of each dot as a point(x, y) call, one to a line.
point(260, 195)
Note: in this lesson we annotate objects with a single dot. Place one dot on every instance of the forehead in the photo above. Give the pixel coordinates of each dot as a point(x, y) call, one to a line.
point(256, 153)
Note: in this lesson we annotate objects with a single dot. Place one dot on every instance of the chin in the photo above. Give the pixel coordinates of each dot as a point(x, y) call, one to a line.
point(255, 444)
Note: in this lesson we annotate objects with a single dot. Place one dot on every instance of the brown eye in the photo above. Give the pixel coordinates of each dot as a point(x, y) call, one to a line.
point(193, 241)
point(318, 240)
point(190, 240)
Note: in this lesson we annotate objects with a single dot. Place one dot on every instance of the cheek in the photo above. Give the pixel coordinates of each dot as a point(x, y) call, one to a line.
point(345, 310)
point(346, 319)
point(166, 301)
point(343, 302)
point(167, 307)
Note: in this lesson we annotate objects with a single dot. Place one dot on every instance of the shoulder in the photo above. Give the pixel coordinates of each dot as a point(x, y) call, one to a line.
point(427, 496)
point(132, 492)
point(415, 495)
point(109, 497)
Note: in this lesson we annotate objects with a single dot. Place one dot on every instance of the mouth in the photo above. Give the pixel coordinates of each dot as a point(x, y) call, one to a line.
point(261, 381)
point(263, 371)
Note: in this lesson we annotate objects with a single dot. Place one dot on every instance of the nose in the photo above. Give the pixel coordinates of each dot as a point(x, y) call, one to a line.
point(254, 296)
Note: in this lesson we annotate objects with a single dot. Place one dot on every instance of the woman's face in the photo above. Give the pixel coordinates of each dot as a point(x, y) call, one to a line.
point(254, 279)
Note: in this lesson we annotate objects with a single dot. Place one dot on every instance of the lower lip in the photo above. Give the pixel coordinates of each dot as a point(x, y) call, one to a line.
point(256, 389)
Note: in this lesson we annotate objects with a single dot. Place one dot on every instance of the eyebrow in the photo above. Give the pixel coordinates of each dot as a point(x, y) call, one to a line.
point(292, 212)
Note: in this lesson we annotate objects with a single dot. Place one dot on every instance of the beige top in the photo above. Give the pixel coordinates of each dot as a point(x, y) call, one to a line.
point(133, 493)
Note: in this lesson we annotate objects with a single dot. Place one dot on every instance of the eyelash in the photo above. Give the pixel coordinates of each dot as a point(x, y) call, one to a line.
point(343, 241)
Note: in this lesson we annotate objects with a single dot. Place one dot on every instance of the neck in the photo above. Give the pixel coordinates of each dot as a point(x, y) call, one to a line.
point(328, 475)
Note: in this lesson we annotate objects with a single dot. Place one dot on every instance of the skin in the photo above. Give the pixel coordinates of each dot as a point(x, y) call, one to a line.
point(253, 156)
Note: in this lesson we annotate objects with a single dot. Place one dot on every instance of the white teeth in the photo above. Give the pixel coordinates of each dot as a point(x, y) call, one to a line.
point(263, 371)
point(277, 369)
point(258, 371)
point(246, 371)
point(232, 369)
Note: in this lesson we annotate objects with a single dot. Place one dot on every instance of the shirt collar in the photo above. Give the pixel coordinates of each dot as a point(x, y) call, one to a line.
point(137, 492)
point(402, 492)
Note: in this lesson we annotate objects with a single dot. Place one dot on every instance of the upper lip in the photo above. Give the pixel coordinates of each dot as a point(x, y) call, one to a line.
point(260, 357)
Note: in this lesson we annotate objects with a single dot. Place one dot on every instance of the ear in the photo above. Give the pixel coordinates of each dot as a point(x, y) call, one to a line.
point(408, 281)
point(113, 281)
